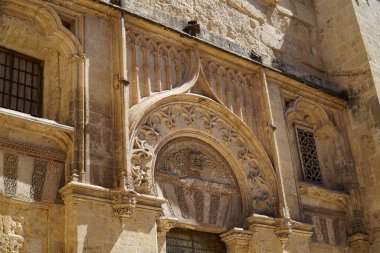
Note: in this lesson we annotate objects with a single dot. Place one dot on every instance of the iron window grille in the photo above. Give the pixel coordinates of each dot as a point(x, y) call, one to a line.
point(308, 154)
point(20, 82)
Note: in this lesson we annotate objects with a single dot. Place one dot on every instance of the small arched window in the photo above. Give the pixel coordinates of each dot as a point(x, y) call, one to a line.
point(308, 155)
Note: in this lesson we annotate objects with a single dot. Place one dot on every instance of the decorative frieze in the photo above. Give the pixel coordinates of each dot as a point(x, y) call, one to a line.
point(10, 173)
point(30, 150)
point(40, 177)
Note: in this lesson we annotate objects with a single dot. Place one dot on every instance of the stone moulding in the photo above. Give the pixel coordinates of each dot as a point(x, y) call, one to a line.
point(61, 134)
point(123, 202)
point(30, 150)
point(236, 236)
point(212, 121)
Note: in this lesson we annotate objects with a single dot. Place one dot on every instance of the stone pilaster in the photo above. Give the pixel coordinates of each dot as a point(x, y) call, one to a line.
point(163, 226)
point(236, 240)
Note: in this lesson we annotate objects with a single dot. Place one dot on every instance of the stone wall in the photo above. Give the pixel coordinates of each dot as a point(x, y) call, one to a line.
point(285, 35)
point(349, 37)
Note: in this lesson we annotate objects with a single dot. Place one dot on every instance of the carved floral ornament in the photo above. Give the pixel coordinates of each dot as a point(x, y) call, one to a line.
point(199, 116)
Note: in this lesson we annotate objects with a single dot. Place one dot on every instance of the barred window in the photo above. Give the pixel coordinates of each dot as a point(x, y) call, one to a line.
point(308, 154)
point(20, 82)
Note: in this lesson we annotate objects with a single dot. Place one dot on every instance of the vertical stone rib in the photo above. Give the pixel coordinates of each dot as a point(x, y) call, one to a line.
point(178, 70)
point(147, 84)
point(157, 70)
point(167, 72)
point(135, 89)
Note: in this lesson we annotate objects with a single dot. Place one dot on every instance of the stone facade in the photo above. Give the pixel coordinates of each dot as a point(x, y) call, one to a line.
point(231, 126)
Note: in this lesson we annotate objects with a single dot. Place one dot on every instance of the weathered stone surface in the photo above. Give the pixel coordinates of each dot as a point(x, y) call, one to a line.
point(148, 128)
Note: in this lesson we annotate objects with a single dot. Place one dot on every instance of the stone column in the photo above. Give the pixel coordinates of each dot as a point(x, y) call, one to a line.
point(236, 240)
point(163, 226)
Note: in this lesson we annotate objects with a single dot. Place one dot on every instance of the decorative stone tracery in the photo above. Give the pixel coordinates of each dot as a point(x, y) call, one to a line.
point(250, 163)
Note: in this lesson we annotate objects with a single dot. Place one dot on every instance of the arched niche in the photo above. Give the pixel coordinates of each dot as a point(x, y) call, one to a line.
point(203, 119)
point(34, 29)
point(329, 141)
point(198, 183)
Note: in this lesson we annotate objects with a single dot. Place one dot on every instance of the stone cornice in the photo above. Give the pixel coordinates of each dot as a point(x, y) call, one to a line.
point(62, 134)
point(124, 202)
point(31, 150)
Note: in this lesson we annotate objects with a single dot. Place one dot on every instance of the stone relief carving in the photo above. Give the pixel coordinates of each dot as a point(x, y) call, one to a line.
point(179, 192)
point(173, 117)
point(124, 204)
point(214, 207)
point(41, 177)
point(196, 180)
point(234, 87)
point(38, 179)
point(10, 173)
point(25, 149)
point(154, 65)
point(11, 240)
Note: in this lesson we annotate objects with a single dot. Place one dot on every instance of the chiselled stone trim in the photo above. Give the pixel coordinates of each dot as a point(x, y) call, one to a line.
point(10, 173)
point(236, 236)
point(34, 151)
point(38, 179)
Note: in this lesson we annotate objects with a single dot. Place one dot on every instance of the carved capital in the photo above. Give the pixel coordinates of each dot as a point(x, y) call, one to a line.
point(78, 58)
point(358, 238)
point(165, 224)
point(124, 203)
point(283, 232)
point(236, 236)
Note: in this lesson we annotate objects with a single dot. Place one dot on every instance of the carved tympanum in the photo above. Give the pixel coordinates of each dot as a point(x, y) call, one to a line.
point(198, 183)
point(173, 118)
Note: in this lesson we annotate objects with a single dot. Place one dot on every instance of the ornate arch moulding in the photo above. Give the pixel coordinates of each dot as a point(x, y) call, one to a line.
point(200, 117)
point(48, 19)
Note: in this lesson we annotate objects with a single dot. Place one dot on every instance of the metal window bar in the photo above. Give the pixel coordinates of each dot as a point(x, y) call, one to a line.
point(308, 155)
point(20, 82)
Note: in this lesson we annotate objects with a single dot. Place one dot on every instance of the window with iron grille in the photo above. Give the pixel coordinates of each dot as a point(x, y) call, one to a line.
point(20, 82)
point(309, 156)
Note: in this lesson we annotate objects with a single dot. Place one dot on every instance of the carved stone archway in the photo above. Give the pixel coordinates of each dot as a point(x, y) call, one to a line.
point(201, 118)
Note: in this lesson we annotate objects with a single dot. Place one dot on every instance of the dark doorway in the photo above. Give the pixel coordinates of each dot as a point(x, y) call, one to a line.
point(189, 241)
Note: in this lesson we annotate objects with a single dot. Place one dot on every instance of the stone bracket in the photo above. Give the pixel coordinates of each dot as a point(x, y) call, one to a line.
point(124, 203)
point(165, 224)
